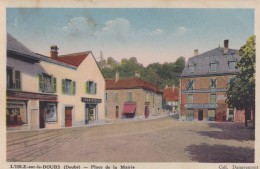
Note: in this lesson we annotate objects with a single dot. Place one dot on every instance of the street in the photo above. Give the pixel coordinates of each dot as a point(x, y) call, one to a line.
point(158, 140)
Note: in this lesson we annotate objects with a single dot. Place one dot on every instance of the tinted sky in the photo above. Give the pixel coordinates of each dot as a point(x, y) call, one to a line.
point(150, 35)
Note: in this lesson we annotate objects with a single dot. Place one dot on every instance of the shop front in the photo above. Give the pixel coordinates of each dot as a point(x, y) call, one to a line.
point(91, 109)
point(28, 110)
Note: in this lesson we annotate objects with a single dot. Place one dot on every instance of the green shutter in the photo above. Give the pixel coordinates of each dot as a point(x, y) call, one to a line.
point(87, 87)
point(86, 84)
point(63, 86)
point(95, 88)
point(74, 88)
point(53, 85)
point(40, 82)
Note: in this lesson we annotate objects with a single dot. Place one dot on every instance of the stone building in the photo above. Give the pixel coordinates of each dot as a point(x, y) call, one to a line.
point(52, 91)
point(131, 98)
point(204, 82)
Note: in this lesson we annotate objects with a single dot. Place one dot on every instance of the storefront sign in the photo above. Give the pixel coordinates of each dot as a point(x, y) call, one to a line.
point(30, 95)
point(204, 90)
point(207, 105)
point(90, 100)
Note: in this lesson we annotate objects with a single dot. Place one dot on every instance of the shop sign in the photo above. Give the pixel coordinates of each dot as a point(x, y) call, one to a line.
point(90, 100)
point(147, 103)
point(205, 90)
point(12, 105)
point(207, 105)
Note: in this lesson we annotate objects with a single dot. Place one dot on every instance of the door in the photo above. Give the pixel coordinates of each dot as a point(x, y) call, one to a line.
point(86, 115)
point(146, 111)
point(189, 115)
point(117, 112)
point(42, 114)
point(68, 116)
point(200, 115)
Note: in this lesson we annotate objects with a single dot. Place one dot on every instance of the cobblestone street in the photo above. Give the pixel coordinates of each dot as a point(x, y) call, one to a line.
point(158, 140)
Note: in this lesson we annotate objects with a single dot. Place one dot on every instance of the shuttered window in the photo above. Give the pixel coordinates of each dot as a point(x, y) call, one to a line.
point(47, 83)
point(13, 79)
point(91, 87)
point(68, 87)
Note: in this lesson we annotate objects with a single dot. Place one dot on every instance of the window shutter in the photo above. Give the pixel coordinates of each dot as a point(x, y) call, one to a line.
point(87, 87)
point(17, 80)
point(74, 88)
point(53, 85)
point(63, 86)
point(40, 82)
point(95, 89)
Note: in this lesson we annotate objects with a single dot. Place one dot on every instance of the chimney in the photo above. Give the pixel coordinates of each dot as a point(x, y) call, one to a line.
point(196, 52)
point(117, 76)
point(54, 51)
point(137, 74)
point(173, 87)
point(226, 46)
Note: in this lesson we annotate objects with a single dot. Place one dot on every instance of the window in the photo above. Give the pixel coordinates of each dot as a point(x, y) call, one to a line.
point(213, 83)
point(213, 67)
point(13, 79)
point(190, 114)
point(211, 115)
point(47, 83)
point(68, 87)
point(190, 98)
point(16, 113)
point(232, 65)
point(106, 96)
point(91, 87)
point(129, 96)
point(189, 84)
point(191, 68)
point(212, 98)
point(231, 80)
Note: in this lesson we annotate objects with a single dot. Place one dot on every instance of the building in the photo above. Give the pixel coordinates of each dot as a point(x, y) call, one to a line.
point(52, 92)
point(203, 85)
point(171, 98)
point(131, 98)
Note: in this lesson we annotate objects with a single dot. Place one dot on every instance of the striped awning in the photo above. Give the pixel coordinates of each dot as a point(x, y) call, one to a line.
point(129, 108)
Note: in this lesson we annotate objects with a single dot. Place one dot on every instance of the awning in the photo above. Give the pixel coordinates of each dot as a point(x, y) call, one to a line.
point(129, 108)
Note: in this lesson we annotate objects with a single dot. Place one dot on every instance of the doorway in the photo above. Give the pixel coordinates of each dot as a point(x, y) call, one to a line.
point(117, 112)
point(200, 115)
point(42, 114)
point(68, 116)
point(90, 113)
point(146, 111)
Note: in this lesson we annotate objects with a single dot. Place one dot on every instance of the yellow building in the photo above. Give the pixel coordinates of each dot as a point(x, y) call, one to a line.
point(52, 92)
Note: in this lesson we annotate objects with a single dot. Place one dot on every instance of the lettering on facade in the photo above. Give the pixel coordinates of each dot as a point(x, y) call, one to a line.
point(147, 103)
point(204, 90)
point(206, 105)
point(90, 100)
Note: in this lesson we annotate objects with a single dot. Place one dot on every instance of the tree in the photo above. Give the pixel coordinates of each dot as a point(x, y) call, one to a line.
point(241, 92)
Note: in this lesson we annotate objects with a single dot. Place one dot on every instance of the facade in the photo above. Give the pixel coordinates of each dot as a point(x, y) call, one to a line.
point(204, 82)
point(131, 98)
point(171, 99)
point(52, 92)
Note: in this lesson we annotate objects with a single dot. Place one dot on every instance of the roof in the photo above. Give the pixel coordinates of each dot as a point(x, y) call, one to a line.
point(74, 59)
point(201, 63)
point(17, 48)
point(171, 94)
point(130, 83)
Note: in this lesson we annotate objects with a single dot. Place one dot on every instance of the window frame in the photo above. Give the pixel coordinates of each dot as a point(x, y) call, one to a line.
point(91, 89)
point(68, 87)
point(210, 98)
point(190, 100)
point(129, 97)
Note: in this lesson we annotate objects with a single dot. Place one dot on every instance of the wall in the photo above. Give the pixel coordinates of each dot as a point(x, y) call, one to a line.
point(138, 96)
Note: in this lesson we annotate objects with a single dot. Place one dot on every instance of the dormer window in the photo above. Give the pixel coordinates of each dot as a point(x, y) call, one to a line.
point(232, 65)
point(213, 67)
point(191, 68)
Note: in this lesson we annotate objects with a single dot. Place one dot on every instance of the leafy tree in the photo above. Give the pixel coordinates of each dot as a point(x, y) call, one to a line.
point(241, 92)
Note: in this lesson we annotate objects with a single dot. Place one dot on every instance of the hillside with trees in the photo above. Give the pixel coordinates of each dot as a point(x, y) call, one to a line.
point(155, 73)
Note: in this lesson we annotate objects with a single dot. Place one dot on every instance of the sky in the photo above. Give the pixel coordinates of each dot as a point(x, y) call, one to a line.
point(149, 34)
